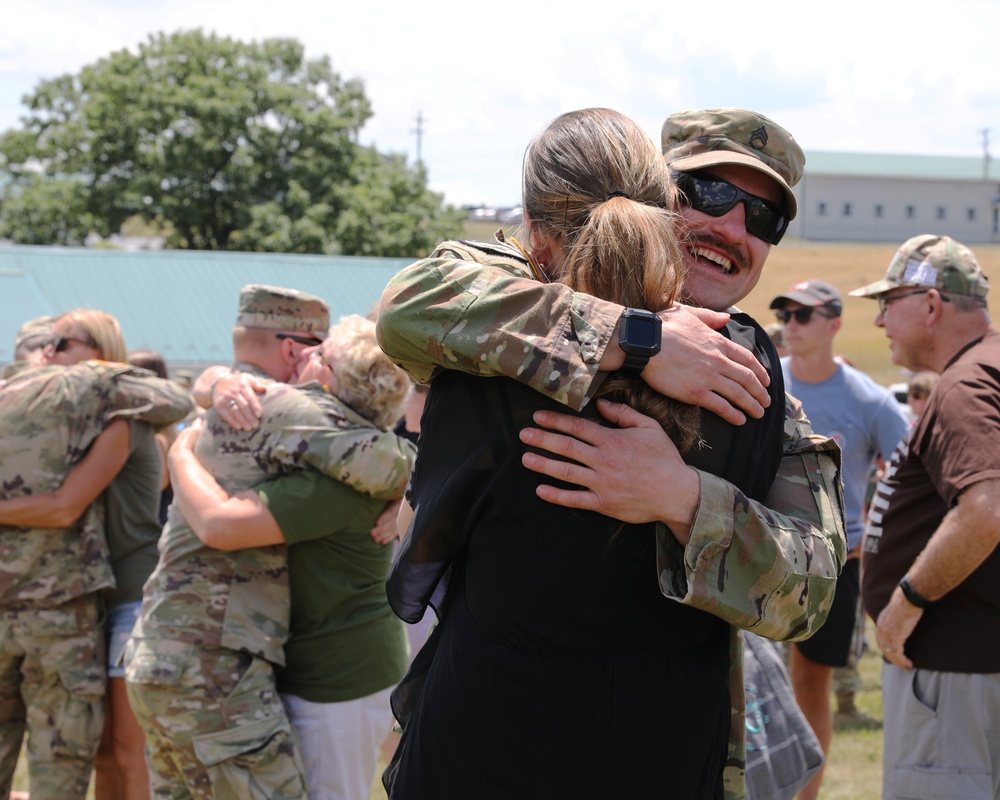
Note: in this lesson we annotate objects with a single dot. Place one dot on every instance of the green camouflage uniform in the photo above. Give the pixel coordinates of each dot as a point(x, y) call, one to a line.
point(52, 661)
point(767, 568)
point(199, 665)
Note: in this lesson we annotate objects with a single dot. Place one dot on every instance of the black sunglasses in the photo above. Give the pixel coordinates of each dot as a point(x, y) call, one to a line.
point(802, 315)
point(715, 196)
point(308, 341)
point(61, 343)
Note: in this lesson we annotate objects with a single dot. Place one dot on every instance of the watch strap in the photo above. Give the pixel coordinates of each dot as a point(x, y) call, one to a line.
point(912, 595)
point(635, 362)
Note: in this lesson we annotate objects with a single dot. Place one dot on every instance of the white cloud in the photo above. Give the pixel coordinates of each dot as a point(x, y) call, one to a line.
point(856, 75)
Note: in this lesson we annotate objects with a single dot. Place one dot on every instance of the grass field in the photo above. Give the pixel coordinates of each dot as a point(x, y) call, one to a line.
point(845, 265)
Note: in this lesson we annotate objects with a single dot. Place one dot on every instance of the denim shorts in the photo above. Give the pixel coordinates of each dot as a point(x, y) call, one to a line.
point(121, 620)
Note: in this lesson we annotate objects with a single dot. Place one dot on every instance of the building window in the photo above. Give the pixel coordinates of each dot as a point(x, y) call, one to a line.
point(847, 209)
point(970, 214)
point(940, 212)
point(878, 210)
point(911, 212)
point(821, 209)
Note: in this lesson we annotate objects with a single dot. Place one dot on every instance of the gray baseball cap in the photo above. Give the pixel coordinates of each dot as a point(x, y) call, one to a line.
point(812, 293)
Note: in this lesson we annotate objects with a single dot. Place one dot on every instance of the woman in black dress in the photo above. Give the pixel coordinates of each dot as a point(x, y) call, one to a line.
point(558, 669)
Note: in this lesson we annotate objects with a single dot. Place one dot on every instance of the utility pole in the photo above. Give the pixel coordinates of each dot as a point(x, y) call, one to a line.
point(419, 131)
point(986, 153)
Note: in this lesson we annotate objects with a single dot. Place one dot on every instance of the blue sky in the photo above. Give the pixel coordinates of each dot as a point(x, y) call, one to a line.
point(870, 76)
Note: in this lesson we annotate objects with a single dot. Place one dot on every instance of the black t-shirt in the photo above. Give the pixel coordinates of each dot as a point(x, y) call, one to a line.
point(953, 445)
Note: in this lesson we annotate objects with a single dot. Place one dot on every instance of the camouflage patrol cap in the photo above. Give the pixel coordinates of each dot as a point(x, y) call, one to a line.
point(34, 333)
point(694, 140)
point(279, 309)
point(938, 262)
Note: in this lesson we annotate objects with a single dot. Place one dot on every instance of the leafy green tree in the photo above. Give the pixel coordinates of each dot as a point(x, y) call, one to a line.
point(226, 144)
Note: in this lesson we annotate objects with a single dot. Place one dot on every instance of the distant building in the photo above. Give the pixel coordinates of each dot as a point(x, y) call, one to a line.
point(181, 303)
point(889, 198)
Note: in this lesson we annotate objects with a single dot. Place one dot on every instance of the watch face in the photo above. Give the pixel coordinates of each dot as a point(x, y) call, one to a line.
point(643, 332)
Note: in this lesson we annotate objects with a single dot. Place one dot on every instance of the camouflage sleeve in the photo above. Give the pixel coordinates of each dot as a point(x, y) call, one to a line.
point(770, 567)
point(310, 428)
point(138, 394)
point(452, 312)
point(372, 461)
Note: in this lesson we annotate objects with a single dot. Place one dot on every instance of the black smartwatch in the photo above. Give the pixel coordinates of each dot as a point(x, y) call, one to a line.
point(911, 594)
point(639, 335)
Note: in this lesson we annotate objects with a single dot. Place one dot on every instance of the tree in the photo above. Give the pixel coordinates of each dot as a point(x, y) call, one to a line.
point(229, 145)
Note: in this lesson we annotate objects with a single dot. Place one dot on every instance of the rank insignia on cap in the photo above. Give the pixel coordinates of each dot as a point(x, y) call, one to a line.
point(758, 139)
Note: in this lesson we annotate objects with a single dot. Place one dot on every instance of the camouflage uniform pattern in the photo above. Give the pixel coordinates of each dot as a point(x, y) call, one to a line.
point(447, 312)
point(709, 137)
point(937, 262)
point(769, 569)
point(202, 604)
point(280, 309)
point(52, 652)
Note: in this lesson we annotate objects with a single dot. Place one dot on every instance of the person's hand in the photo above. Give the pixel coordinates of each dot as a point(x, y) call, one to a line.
point(624, 471)
point(894, 626)
point(384, 531)
point(696, 365)
point(187, 438)
point(235, 399)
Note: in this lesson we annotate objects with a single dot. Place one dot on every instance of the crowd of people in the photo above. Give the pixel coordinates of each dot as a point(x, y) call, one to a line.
point(618, 478)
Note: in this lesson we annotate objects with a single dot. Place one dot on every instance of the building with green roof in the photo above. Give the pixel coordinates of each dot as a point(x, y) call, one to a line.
point(870, 197)
point(181, 303)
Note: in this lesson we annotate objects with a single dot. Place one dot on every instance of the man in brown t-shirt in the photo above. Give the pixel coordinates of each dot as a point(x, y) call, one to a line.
point(931, 565)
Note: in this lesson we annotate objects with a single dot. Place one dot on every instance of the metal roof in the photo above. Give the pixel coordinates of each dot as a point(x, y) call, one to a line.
point(181, 303)
point(884, 165)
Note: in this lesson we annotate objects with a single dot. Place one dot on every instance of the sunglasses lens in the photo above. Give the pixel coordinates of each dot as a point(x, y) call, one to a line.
point(716, 197)
point(61, 344)
point(765, 221)
point(713, 197)
point(801, 315)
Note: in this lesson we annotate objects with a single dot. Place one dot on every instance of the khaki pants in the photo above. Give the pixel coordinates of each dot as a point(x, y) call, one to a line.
point(942, 734)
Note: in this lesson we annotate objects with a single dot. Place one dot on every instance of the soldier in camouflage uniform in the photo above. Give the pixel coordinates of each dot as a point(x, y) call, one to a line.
point(769, 566)
point(51, 641)
point(200, 664)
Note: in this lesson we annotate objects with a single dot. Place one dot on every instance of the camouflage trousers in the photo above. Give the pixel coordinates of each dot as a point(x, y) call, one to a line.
point(52, 683)
point(215, 725)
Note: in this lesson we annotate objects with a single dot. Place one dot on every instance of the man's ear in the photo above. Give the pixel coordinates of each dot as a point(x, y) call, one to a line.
point(935, 307)
point(288, 352)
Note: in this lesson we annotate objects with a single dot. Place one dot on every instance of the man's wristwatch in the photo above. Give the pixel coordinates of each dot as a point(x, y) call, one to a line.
point(639, 335)
point(911, 594)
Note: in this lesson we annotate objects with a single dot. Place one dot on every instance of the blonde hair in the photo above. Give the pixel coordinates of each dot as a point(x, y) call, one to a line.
point(103, 329)
point(597, 185)
point(367, 380)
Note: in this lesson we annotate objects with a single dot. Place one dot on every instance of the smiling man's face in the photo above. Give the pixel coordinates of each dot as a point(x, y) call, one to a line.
point(723, 262)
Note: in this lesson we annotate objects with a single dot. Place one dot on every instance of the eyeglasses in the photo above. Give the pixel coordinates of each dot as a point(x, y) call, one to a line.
point(884, 300)
point(318, 354)
point(716, 197)
point(801, 315)
point(308, 341)
point(61, 343)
